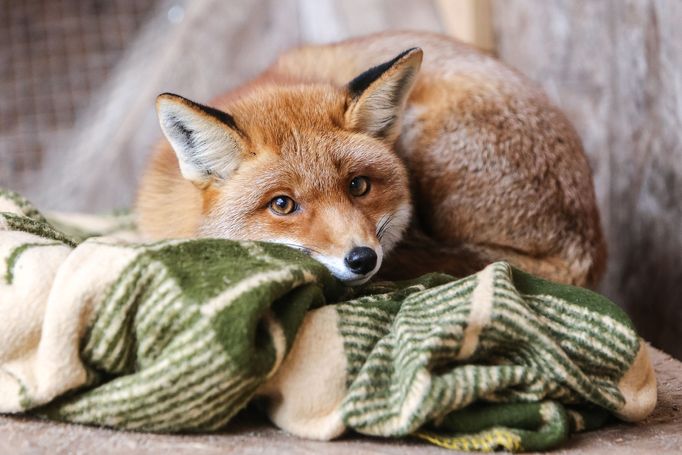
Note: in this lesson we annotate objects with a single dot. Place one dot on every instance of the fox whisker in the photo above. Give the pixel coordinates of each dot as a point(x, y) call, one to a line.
point(384, 224)
point(305, 249)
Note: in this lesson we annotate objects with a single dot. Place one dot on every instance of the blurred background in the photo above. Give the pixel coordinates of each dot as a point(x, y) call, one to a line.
point(78, 79)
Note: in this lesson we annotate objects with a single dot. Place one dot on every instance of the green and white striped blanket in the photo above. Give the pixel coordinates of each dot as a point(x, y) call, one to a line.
point(178, 336)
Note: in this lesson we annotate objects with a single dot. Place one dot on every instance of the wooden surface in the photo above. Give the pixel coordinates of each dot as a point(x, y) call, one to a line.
point(615, 68)
point(661, 433)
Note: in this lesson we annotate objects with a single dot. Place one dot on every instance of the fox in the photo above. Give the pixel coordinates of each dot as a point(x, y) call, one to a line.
point(389, 155)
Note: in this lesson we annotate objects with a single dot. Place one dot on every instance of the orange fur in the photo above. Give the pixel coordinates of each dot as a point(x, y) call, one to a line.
point(494, 170)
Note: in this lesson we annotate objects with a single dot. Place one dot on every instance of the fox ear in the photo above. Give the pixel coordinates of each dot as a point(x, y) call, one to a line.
point(378, 96)
point(207, 142)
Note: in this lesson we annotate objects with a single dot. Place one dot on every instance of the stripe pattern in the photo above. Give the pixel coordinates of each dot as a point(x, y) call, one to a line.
point(477, 339)
point(179, 335)
point(180, 362)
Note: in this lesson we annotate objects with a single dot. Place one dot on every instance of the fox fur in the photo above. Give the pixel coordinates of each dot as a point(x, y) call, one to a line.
point(468, 162)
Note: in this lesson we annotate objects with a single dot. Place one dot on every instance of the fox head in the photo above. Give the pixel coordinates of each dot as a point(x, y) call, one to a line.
point(309, 165)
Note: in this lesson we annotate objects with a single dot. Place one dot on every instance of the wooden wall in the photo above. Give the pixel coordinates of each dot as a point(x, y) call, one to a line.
point(615, 67)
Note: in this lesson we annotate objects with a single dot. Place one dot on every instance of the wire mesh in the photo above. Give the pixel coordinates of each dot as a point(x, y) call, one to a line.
point(53, 55)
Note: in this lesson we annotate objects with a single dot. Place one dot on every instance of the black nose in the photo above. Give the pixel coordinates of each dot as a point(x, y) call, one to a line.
point(361, 260)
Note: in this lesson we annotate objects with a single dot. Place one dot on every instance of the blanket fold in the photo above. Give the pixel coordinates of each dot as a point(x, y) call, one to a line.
point(179, 335)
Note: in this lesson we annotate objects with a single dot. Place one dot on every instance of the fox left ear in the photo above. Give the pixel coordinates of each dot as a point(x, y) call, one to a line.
point(207, 142)
point(378, 96)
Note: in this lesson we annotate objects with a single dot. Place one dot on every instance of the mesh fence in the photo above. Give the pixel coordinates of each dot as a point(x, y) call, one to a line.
point(78, 78)
point(53, 55)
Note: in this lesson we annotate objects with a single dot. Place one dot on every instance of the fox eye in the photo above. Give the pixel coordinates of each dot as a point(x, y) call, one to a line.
point(283, 205)
point(359, 186)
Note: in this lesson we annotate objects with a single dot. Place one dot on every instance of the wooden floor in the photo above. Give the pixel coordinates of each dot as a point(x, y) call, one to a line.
point(660, 434)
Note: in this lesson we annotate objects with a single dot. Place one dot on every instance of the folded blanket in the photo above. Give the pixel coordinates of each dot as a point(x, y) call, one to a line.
point(178, 336)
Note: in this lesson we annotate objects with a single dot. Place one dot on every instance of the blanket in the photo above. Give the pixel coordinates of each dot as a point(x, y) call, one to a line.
point(179, 335)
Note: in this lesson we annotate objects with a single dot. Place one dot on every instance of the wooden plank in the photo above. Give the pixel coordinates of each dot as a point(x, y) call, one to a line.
point(469, 21)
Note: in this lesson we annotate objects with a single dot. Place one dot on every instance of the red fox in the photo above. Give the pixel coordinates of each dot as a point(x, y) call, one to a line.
point(408, 166)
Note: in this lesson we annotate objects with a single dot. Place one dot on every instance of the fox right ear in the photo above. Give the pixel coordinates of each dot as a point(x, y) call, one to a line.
point(377, 97)
point(207, 142)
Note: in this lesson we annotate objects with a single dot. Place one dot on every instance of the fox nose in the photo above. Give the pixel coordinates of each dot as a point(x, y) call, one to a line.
point(361, 260)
